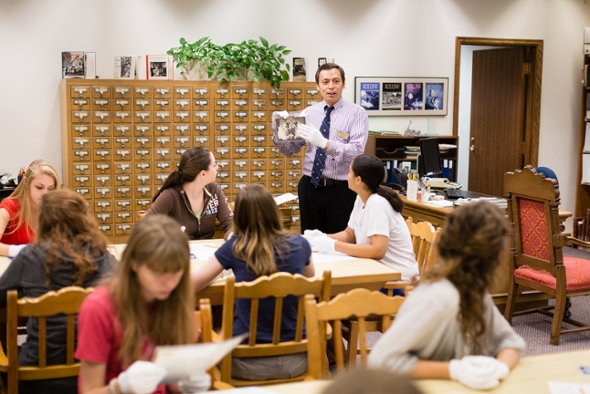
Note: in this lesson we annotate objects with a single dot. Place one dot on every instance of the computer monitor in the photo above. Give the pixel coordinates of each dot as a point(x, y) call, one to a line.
point(429, 159)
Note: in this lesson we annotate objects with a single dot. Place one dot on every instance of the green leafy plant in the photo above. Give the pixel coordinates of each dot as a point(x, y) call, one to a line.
point(249, 60)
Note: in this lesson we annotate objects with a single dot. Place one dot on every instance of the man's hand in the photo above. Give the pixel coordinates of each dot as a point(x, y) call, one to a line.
point(312, 135)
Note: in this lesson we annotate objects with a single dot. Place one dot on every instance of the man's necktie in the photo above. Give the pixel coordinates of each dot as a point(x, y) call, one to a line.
point(320, 155)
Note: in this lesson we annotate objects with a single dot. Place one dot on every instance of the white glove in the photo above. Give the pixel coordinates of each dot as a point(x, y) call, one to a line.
point(279, 114)
point(323, 244)
point(477, 372)
point(195, 383)
point(141, 377)
point(13, 250)
point(312, 135)
point(311, 234)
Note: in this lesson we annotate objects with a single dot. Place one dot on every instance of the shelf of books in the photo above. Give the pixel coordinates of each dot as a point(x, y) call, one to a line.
point(400, 151)
point(582, 214)
point(121, 138)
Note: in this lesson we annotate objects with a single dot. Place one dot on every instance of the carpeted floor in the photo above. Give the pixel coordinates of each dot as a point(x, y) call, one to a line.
point(536, 327)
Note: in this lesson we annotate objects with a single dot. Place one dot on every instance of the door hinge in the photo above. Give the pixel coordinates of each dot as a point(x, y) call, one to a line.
point(526, 68)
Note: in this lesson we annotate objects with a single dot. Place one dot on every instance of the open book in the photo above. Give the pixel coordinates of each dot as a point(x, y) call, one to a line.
point(182, 361)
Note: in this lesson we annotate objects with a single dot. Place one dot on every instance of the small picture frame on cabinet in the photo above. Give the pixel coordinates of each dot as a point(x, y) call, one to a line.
point(72, 64)
point(322, 61)
point(158, 67)
point(124, 67)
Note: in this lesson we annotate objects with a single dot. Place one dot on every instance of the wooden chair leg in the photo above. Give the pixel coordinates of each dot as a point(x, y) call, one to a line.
point(353, 343)
point(558, 313)
point(511, 301)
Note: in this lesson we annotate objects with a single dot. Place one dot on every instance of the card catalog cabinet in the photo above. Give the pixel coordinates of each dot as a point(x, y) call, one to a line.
point(121, 139)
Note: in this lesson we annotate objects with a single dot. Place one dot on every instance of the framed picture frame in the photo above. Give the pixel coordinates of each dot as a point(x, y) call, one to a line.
point(158, 67)
point(402, 96)
point(73, 64)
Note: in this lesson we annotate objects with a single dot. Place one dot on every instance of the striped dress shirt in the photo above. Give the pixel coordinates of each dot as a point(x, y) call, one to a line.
point(349, 129)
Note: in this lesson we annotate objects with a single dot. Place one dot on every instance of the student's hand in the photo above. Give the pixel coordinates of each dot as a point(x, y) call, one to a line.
point(195, 383)
point(141, 377)
point(311, 234)
point(312, 135)
point(478, 372)
point(13, 250)
point(323, 244)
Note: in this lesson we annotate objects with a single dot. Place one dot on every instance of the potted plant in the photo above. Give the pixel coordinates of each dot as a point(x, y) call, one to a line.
point(200, 55)
point(250, 60)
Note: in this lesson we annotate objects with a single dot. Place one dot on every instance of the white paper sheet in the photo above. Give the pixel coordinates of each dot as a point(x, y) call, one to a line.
point(181, 361)
point(200, 251)
point(283, 198)
point(330, 257)
point(568, 388)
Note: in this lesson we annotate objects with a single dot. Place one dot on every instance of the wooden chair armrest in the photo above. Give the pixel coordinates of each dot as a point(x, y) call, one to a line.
point(397, 284)
point(219, 385)
point(578, 242)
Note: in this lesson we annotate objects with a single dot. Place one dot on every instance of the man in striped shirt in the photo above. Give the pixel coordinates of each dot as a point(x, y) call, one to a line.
point(327, 205)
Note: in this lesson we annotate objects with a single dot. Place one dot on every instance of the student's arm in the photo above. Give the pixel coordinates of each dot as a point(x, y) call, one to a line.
point(309, 270)
point(509, 357)
point(206, 273)
point(93, 376)
point(346, 235)
point(11, 278)
point(4, 219)
point(375, 250)
point(426, 369)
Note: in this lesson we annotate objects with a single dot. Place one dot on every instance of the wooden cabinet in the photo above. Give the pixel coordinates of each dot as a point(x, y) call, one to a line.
point(393, 149)
point(121, 139)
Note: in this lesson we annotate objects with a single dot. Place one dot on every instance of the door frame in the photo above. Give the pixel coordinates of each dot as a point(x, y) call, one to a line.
point(532, 120)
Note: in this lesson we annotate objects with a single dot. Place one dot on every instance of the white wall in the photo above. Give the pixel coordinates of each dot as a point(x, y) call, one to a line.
point(368, 38)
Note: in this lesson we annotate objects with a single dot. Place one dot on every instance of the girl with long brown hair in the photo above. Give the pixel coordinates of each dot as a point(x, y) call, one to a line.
point(191, 196)
point(148, 302)
point(449, 326)
point(261, 246)
point(19, 212)
point(69, 251)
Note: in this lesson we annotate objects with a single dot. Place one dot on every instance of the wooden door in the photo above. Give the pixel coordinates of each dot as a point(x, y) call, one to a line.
point(497, 117)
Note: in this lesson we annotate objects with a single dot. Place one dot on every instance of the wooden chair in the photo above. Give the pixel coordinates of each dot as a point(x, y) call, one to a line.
point(65, 301)
point(533, 209)
point(423, 236)
point(357, 303)
point(279, 286)
point(204, 322)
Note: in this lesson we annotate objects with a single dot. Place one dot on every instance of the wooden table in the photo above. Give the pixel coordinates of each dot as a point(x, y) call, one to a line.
point(531, 375)
point(436, 215)
point(347, 274)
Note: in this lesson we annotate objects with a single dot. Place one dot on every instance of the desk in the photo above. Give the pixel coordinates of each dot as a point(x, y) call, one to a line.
point(436, 215)
point(531, 375)
point(347, 274)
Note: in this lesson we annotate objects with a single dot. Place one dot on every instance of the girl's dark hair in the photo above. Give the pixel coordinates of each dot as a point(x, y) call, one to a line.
point(470, 248)
point(372, 172)
point(192, 162)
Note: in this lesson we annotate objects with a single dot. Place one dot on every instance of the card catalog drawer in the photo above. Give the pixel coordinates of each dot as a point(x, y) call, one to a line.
point(123, 191)
point(163, 154)
point(202, 142)
point(163, 167)
point(241, 116)
point(124, 142)
point(163, 116)
point(177, 154)
point(259, 164)
point(201, 105)
point(276, 175)
point(294, 175)
point(162, 92)
point(182, 92)
point(221, 141)
point(142, 204)
point(163, 129)
point(144, 191)
point(104, 217)
point(101, 92)
point(143, 179)
point(82, 180)
point(102, 104)
point(81, 142)
point(103, 154)
point(103, 168)
point(123, 217)
point(80, 91)
point(122, 117)
point(102, 142)
point(142, 104)
point(142, 92)
point(312, 94)
point(122, 130)
point(143, 142)
point(295, 105)
point(81, 155)
point(160, 179)
point(84, 192)
point(182, 116)
point(122, 92)
point(259, 105)
point(182, 129)
point(277, 105)
point(223, 165)
point(259, 93)
point(101, 116)
point(123, 180)
point(277, 164)
point(103, 180)
point(241, 129)
point(240, 176)
point(81, 130)
point(222, 116)
point(82, 169)
point(292, 186)
point(259, 140)
point(122, 154)
point(259, 116)
point(162, 105)
point(273, 151)
point(240, 104)
point(258, 176)
point(122, 229)
point(124, 205)
point(81, 104)
point(240, 153)
point(182, 104)
point(222, 105)
point(103, 206)
point(294, 163)
point(81, 116)
point(142, 116)
point(222, 129)
point(260, 129)
point(102, 130)
point(201, 129)
point(141, 130)
point(222, 93)
point(183, 141)
point(276, 186)
point(201, 117)
point(103, 192)
point(143, 167)
point(240, 165)
point(201, 93)
point(124, 168)
point(223, 177)
point(240, 140)
point(277, 93)
point(259, 152)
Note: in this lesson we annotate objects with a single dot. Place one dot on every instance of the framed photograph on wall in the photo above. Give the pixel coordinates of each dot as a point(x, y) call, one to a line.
point(402, 96)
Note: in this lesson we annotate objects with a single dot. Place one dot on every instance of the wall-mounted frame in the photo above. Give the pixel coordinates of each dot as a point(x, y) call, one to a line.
point(403, 96)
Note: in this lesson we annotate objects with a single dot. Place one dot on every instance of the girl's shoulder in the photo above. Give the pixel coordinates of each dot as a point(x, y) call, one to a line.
point(10, 204)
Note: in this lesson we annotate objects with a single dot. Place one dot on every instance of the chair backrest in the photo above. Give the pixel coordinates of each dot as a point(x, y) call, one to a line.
point(358, 303)
point(423, 236)
point(66, 301)
point(533, 208)
point(279, 285)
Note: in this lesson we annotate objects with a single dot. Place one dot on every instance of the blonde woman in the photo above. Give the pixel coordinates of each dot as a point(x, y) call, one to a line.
point(261, 246)
point(148, 302)
point(19, 212)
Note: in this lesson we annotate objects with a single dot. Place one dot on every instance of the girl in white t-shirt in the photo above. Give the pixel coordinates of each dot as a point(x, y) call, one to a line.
point(376, 228)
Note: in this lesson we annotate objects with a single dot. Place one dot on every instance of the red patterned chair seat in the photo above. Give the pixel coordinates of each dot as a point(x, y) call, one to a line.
point(577, 273)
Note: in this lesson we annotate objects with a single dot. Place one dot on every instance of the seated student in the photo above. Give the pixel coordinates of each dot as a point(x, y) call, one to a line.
point(376, 229)
point(69, 250)
point(148, 302)
point(19, 212)
point(191, 196)
point(261, 246)
point(449, 323)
